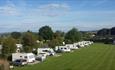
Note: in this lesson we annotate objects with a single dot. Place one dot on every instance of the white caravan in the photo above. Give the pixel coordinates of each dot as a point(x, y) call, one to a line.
point(62, 49)
point(30, 57)
point(47, 51)
point(86, 43)
point(81, 44)
point(76, 45)
point(72, 46)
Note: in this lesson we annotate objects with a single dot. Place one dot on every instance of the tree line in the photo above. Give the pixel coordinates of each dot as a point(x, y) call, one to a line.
point(105, 35)
point(106, 32)
point(45, 37)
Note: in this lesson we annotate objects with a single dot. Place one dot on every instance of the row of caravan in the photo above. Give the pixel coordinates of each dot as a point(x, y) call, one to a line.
point(69, 47)
point(42, 53)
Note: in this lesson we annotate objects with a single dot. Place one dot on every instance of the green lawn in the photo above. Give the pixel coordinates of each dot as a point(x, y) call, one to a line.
point(96, 57)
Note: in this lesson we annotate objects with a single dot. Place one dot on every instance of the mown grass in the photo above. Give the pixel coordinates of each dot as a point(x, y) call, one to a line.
point(96, 57)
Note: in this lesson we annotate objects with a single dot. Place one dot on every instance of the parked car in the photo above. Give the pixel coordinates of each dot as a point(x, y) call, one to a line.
point(20, 62)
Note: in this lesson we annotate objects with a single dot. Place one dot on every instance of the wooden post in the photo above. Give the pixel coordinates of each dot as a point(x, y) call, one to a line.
point(4, 64)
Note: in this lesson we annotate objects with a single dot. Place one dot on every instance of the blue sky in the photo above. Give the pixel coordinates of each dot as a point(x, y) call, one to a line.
point(23, 15)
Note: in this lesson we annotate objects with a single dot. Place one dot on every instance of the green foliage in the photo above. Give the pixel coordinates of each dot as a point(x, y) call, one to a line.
point(1, 67)
point(9, 46)
point(87, 35)
point(59, 34)
point(57, 39)
point(27, 49)
point(55, 42)
point(29, 40)
point(105, 35)
point(73, 36)
point(106, 32)
point(1, 39)
point(16, 35)
point(46, 33)
point(103, 32)
point(113, 31)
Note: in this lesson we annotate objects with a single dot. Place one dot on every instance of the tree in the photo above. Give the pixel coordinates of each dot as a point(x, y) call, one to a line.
point(87, 35)
point(46, 33)
point(103, 32)
point(59, 34)
point(58, 38)
point(72, 36)
point(29, 40)
point(9, 46)
point(16, 35)
point(113, 31)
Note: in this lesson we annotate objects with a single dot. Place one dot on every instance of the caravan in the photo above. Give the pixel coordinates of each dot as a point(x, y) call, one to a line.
point(81, 44)
point(72, 46)
point(76, 45)
point(29, 57)
point(47, 51)
point(62, 49)
point(42, 53)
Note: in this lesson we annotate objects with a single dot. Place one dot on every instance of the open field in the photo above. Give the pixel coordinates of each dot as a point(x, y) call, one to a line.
point(96, 57)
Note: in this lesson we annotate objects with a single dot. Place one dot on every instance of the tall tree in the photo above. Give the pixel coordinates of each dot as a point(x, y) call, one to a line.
point(72, 36)
point(46, 33)
point(9, 46)
point(57, 39)
point(59, 34)
point(29, 40)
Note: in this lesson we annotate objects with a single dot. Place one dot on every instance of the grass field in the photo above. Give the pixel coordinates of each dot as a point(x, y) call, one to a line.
point(96, 57)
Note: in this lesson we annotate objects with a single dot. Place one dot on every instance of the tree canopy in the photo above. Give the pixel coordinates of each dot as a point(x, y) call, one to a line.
point(9, 46)
point(113, 31)
point(16, 35)
point(46, 33)
point(29, 41)
point(103, 32)
point(73, 36)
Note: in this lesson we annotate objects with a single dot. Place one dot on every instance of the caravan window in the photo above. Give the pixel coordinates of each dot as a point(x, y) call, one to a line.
point(65, 48)
point(25, 56)
point(61, 48)
point(20, 56)
point(45, 51)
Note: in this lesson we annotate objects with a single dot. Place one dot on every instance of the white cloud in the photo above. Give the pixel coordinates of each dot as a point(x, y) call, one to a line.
point(53, 9)
point(9, 9)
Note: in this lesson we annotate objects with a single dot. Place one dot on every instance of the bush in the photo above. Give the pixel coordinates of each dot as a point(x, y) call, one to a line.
point(1, 67)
